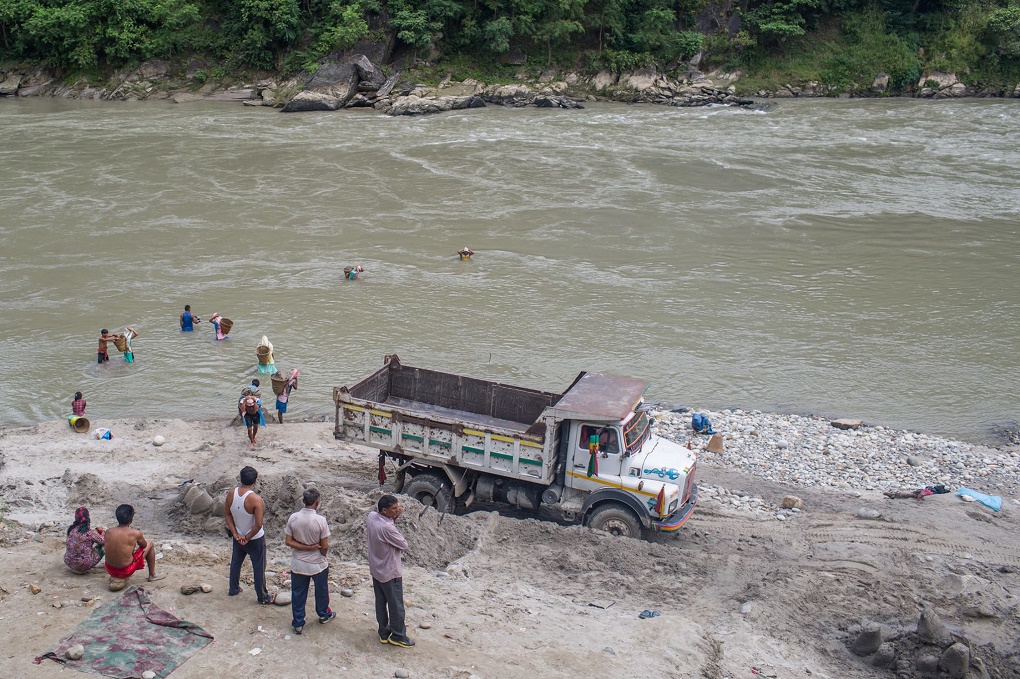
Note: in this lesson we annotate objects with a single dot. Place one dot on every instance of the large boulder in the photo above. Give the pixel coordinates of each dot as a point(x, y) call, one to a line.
point(367, 71)
point(957, 90)
point(546, 101)
point(943, 80)
point(414, 106)
point(640, 80)
point(314, 101)
point(9, 86)
point(332, 86)
point(37, 81)
point(515, 94)
point(880, 84)
point(603, 80)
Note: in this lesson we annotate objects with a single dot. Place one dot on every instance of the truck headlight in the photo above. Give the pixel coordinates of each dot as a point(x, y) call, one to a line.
point(672, 506)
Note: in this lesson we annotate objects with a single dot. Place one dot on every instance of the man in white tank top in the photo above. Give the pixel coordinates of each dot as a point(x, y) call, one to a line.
point(243, 511)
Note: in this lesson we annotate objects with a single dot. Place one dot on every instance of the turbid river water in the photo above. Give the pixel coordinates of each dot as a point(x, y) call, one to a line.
point(846, 258)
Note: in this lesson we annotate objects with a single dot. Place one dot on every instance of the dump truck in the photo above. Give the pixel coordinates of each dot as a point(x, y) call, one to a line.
point(587, 453)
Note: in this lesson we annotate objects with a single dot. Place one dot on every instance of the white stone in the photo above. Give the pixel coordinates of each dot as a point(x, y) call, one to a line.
point(158, 440)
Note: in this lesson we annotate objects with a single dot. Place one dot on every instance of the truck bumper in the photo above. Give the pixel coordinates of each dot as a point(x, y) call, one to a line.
point(672, 523)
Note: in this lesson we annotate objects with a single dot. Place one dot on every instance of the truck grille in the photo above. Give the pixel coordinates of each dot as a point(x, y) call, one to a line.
point(689, 485)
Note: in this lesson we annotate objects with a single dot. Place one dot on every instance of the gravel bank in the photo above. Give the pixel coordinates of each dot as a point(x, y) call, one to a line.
point(810, 452)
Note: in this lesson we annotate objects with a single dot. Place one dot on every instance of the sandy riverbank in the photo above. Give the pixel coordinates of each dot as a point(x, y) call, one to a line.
point(508, 597)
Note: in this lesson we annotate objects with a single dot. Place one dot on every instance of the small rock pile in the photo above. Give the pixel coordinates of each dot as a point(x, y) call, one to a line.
point(931, 649)
point(812, 452)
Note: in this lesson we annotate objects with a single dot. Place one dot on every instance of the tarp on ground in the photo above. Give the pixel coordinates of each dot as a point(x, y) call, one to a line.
point(129, 636)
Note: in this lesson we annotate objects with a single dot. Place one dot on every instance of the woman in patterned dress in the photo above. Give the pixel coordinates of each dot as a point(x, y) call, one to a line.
point(84, 543)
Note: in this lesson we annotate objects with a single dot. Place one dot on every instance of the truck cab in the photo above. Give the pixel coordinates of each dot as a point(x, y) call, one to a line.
point(639, 480)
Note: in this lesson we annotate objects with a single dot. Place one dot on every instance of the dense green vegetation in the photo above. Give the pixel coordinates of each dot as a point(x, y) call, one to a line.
point(836, 42)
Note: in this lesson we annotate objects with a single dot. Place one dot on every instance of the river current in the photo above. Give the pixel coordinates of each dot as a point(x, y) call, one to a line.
point(855, 258)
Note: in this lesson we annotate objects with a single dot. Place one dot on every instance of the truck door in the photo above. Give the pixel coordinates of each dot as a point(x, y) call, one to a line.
point(610, 450)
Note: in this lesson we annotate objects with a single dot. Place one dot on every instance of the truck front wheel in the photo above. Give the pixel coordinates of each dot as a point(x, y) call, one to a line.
point(431, 491)
point(615, 520)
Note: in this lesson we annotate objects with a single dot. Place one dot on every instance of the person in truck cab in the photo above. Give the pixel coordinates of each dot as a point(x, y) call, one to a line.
point(609, 444)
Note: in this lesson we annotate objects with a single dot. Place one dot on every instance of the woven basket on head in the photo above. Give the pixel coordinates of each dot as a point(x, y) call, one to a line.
point(279, 382)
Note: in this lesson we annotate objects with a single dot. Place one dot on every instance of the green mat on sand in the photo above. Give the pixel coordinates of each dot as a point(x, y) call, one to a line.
point(129, 636)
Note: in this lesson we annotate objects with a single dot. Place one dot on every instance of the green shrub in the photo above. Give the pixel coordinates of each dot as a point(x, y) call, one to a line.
point(618, 61)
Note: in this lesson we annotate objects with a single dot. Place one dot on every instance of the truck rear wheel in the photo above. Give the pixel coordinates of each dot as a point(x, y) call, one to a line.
point(615, 520)
point(431, 491)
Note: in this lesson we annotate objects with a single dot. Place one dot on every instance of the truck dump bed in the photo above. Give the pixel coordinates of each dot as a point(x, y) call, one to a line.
point(453, 396)
point(463, 421)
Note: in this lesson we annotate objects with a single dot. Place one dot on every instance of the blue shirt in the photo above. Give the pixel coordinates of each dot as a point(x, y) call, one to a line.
point(186, 322)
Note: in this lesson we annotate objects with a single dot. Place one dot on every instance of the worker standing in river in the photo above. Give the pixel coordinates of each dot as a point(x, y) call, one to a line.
point(188, 319)
point(130, 334)
point(284, 397)
point(104, 337)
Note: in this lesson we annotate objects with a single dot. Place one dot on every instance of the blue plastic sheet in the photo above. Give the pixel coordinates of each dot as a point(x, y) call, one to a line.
point(992, 501)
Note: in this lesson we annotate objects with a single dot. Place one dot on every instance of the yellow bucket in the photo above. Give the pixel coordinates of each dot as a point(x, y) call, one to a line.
point(79, 423)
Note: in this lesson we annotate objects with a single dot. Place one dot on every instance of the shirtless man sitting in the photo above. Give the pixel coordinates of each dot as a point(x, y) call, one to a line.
point(127, 550)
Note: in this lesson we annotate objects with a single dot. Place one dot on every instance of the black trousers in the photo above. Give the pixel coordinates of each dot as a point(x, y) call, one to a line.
point(389, 607)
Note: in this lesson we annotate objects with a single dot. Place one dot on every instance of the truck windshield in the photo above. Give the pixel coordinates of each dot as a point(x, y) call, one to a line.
point(636, 431)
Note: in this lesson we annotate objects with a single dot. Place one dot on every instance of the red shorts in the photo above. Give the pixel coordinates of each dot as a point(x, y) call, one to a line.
point(137, 564)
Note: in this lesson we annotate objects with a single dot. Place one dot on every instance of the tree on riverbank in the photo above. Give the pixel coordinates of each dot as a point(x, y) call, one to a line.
point(841, 43)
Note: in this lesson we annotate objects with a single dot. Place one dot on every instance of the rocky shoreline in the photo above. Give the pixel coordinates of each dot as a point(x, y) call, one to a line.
point(840, 455)
point(357, 81)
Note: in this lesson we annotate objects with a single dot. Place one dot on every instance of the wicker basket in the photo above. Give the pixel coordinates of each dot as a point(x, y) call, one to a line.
point(279, 382)
point(263, 352)
point(121, 344)
point(225, 325)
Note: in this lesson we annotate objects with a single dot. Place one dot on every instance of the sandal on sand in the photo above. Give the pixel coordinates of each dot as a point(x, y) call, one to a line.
point(271, 599)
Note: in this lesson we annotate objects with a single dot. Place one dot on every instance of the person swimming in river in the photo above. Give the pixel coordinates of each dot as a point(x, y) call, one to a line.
point(465, 253)
point(351, 272)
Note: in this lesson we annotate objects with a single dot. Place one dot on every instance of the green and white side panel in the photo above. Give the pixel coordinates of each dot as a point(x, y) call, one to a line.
point(473, 448)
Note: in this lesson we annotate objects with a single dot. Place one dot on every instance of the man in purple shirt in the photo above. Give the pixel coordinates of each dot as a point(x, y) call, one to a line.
point(385, 545)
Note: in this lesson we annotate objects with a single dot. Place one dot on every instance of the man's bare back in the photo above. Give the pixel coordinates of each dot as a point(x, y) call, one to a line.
point(122, 541)
point(127, 548)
